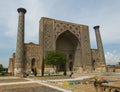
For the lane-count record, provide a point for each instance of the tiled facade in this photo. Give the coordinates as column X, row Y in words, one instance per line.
column 70, row 38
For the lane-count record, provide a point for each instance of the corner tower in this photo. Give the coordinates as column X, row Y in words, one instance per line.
column 99, row 45
column 20, row 43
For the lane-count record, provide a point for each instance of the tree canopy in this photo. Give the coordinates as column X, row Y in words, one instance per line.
column 55, row 58
column 1, row 68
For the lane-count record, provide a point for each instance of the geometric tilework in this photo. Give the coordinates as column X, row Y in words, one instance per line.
column 99, row 45
column 20, row 42
column 51, row 32
column 48, row 35
column 60, row 27
column 52, row 29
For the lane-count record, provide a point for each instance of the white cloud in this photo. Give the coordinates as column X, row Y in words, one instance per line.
column 108, row 21
column 112, row 57
column 35, row 10
column 103, row 13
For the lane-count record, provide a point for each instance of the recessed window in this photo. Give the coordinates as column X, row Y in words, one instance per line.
column 70, row 56
column 33, row 62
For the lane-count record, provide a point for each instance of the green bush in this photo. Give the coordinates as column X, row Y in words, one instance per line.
column 3, row 73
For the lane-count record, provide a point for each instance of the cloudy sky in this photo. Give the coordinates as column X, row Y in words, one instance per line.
column 105, row 13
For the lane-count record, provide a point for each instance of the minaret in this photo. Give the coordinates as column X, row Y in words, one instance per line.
column 99, row 45
column 20, row 43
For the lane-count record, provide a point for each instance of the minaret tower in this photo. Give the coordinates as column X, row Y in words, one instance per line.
column 99, row 45
column 20, row 43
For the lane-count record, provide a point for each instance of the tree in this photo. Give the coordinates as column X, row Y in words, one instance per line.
column 55, row 58
column 1, row 68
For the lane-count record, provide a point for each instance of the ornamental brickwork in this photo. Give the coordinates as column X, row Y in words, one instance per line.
column 32, row 57
column 60, row 35
column 70, row 38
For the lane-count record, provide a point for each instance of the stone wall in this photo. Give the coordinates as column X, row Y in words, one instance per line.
column 98, row 66
column 11, row 65
column 32, row 54
column 51, row 30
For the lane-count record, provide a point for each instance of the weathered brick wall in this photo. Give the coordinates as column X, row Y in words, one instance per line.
column 51, row 30
column 32, row 51
column 11, row 65
column 96, row 63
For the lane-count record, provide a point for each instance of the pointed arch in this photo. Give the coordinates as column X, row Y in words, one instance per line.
column 68, row 43
column 67, row 31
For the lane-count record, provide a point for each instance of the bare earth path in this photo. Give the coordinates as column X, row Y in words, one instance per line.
column 26, row 85
column 33, row 85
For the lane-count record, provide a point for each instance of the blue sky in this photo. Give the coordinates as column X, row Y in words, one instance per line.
column 89, row 12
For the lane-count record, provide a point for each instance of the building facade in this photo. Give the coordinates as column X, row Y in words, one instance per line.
column 71, row 39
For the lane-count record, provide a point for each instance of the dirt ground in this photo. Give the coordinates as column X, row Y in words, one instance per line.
column 30, row 87
column 86, row 85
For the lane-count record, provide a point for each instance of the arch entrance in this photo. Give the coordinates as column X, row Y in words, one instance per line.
column 33, row 68
column 67, row 43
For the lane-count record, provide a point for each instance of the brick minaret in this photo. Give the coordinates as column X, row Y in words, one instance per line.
column 99, row 45
column 20, row 43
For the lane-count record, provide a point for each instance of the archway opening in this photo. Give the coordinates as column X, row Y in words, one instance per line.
column 93, row 65
column 33, row 68
column 67, row 43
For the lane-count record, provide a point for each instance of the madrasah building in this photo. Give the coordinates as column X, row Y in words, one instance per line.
column 69, row 38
